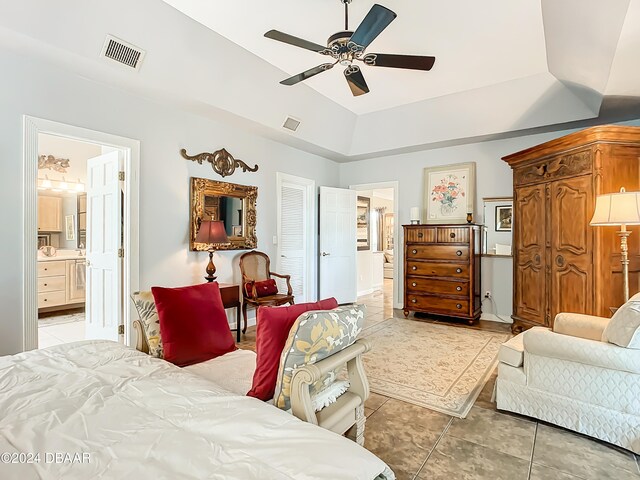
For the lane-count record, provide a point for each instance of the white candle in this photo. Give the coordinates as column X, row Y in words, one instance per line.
column 415, row 213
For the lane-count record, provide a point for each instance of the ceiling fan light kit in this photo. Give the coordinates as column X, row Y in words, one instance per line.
column 348, row 46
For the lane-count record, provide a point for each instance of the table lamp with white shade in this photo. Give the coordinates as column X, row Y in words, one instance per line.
column 619, row 209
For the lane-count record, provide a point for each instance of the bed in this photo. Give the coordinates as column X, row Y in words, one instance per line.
column 100, row 409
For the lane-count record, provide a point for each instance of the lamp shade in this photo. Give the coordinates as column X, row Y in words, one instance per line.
column 621, row 208
column 212, row 231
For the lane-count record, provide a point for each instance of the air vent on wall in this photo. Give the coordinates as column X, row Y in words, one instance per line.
column 291, row 124
column 122, row 52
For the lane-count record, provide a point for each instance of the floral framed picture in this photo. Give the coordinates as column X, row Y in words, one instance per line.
column 449, row 193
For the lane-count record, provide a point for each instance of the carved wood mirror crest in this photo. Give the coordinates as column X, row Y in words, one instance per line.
column 234, row 204
column 221, row 161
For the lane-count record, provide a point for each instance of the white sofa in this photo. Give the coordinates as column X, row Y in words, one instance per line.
column 573, row 378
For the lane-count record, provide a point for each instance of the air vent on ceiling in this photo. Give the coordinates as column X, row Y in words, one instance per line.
column 122, row 52
column 291, row 124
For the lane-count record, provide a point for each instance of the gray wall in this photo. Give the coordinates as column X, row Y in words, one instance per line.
column 493, row 179
column 42, row 90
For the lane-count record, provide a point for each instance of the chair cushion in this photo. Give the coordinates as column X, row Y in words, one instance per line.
column 272, row 329
column 193, row 323
column 512, row 351
column 624, row 327
column 146, row 307
column 313, row 337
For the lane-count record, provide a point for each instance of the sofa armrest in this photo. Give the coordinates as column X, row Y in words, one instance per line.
column 303, row 377
column 578, row 325
column 545, row 343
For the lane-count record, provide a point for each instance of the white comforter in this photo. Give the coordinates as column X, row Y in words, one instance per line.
column 127, row 415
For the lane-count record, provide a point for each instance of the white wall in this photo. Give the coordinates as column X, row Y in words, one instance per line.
column 38, row 89
column 493, row 179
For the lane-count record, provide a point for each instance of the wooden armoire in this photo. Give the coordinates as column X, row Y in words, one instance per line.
column 561, row 263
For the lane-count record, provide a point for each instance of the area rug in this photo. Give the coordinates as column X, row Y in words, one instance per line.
column 439, row 367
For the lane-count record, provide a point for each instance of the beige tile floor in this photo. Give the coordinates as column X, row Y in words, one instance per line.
column 421, row 444
column 59, row 329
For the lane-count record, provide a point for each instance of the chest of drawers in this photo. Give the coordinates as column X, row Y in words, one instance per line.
column 442, row 270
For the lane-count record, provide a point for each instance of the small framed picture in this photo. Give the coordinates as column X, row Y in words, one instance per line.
column 504, row 216
column 44, row 239
column 362, row 226
column 70, row 227
column 237, row 230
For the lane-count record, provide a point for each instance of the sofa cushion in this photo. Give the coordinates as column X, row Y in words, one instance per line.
column 624, row 327
column 272, row 329
column 146, row 307
column 512, row 351
column 193, row 323
column 314, row 336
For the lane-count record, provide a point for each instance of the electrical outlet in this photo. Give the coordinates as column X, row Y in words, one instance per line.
column 487, row 294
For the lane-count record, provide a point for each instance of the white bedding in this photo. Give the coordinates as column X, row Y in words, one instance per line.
column 140, row 417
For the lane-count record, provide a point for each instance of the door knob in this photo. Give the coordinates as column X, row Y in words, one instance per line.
column 324, row 254
column 560, row 260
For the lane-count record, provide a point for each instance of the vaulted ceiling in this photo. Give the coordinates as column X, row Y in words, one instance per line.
column 502, row 66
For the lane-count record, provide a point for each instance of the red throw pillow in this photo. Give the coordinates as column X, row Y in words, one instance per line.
column 193, row 323
column 266, row 288
column 248, row 289
column 272, row 329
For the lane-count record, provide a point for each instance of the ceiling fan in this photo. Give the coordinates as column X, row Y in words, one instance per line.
column 349, row 46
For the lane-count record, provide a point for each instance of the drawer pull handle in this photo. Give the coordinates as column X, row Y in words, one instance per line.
column 420, row 235
column 458, row 270
column 46, row 269
column 414, row 284
column 458, row 306
column 414, row 251
column 413, row 300
column 459, row 288
column 46, row 285
column 452, row 235
column 45, row 299
column 459, row 253
column 414, row 268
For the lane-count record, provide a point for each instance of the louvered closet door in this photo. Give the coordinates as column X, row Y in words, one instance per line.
column 293, row 238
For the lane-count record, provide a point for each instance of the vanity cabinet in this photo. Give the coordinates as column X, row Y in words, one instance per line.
column 49, row 213
column 60, row 284
column 442, row 270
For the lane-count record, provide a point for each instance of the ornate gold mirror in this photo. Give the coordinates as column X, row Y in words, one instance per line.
column 234, row 204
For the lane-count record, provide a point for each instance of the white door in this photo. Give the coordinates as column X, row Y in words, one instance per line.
column 338, row 276
column 295, row 226
column 104, row 230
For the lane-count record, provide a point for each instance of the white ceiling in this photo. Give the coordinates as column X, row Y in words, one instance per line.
column 507, row 44
column 503, row 66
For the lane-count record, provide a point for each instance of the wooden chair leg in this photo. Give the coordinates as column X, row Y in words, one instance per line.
column 244, row 314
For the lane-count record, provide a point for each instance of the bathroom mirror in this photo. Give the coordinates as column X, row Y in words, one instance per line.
column 233, row 204
column 498, row 226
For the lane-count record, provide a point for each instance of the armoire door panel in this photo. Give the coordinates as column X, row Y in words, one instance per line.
column 529, row 222
column 571, row 245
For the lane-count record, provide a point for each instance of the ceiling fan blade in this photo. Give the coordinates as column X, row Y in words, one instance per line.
column 374, row 23
column 307, row 74
column 295, row 41
column 413, row 62
column 356, row 81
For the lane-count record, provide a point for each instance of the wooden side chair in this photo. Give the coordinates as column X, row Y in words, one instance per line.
column 255, row 267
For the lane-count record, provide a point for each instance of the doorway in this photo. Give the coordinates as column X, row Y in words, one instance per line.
column 81, row 237
column 377, row 245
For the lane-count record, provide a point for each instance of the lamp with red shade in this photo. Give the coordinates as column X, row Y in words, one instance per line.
column 212, row 233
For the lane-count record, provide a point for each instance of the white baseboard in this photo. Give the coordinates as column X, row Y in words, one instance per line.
column 366, row 292
column 490, row 317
